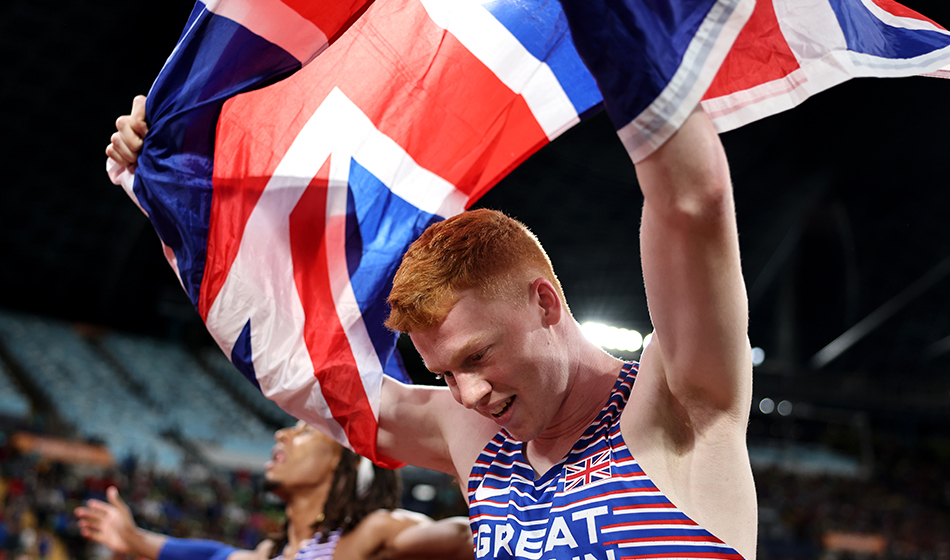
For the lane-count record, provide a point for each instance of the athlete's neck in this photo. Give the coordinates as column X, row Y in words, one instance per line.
column 304, row 509
column 592, row 378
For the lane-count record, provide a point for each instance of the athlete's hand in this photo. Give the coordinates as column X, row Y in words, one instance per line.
column 110, row 524
column 126, row 142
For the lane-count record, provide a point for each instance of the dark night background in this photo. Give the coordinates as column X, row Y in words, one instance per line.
column 842, row 206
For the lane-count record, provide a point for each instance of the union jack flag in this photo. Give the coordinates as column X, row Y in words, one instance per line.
column 821, row 46
column 284, row 210
column 595, row 467
column 742, row 59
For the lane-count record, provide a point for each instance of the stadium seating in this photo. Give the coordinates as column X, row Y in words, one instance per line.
column 130, row 392
column 228, row 375
column 12, row 401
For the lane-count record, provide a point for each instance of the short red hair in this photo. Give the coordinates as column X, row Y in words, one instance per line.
column 482, row 249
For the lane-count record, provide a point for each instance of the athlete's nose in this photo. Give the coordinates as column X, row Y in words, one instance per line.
column 287, row 432
column 473, row 389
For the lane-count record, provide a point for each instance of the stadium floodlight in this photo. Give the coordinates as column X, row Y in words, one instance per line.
column 613, row 338
column 424, row 492
column 784, row 408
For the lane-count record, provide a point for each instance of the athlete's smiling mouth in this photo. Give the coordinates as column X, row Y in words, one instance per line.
column 502, row 408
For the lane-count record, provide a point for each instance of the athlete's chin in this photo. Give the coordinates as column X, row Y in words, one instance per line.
column 522, row 432
column 271, row 479
column 273, row 486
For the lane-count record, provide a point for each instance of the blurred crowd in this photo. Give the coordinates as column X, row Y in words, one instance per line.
column 900, row 512
column 38, row 498
column 903, row 507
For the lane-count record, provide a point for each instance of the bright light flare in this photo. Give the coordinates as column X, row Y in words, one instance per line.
column 613, row 338
column 784, row 408
column 423, row 492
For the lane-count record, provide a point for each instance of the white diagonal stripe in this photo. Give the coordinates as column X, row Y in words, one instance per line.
column 260, row 285
column 503, row 54
column 276, row 22
column 901, row 21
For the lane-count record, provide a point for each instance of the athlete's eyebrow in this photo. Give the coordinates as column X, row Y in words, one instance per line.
column 461, row 354
column 466, row 351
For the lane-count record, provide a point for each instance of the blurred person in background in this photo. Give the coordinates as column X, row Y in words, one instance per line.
column 338, row 505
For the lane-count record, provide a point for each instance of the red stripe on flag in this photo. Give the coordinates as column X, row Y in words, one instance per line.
column 899, row 10
column 326, row 341
column 248, row 148
column 453, row 96
column 416, row 83
column 759, row 55
column 232, row 202
column 333, row 18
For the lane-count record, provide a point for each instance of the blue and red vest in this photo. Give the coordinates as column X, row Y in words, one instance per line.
column 313, row 549
column 597, row 504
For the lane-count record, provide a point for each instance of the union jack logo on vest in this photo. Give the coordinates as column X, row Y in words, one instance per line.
column 595, row 467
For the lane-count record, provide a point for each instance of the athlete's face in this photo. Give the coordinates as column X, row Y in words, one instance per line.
column 301, row 457
column 500, row 360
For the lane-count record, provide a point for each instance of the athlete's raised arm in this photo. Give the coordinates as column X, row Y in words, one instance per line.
column 688, row 413
column 690, row 251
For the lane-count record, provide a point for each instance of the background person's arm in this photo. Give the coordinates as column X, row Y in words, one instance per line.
column 111, row 524
column 448, row 539
column 407, row 535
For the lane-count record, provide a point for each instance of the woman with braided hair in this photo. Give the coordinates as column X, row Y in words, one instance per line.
column 338, row 506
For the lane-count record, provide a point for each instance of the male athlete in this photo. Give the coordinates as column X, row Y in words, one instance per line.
column 565, row 456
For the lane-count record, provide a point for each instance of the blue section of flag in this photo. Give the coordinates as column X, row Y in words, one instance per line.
column 396, row 368
column 241, row 355
column 633, row 48
column 542, row 29
column 215, row 59
column 385, row 226
column 866, row 34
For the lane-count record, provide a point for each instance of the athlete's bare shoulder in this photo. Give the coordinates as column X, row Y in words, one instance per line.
column 424, row 426
column 698, row 460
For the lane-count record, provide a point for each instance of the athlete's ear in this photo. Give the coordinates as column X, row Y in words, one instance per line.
column 548, row 301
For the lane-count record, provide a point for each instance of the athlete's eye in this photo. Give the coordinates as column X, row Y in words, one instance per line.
column 443, row 375
column 477, row 356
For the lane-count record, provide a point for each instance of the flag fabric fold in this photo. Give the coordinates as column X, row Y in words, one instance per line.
column 297, row 147
column 285, row 210
column 791, row 50
column 654, row 61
